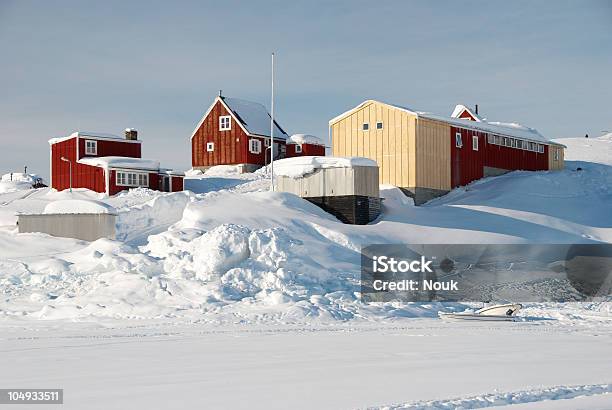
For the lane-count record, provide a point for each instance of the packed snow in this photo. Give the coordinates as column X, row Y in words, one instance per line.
column 297, row 167
column 96, row 135
column 78, row 206
column 121, row 162
column 304, row 139
column 17, row 181
column 229, row 292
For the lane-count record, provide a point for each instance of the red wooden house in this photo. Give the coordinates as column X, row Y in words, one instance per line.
column 305, row 145
column 235, row 132
column 465, row 113
column 106, row 163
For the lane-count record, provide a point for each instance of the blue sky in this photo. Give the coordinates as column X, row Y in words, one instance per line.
column 156, row 66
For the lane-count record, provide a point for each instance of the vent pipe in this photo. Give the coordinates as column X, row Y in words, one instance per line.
column 476, row 109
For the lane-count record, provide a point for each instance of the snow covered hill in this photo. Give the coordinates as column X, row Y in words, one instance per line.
column 233, row 296
column 239, row 252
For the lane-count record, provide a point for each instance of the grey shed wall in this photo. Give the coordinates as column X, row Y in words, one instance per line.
column 350, row 194
column 87, row 227
column 361, row 181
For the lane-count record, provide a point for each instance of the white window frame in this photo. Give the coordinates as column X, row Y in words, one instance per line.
column 555, row 154
column 498, row 140
column 540, row 148
column 491, row 139
column 377, row 125
column 474, row 143
column 365, row 126
column 143, row 180
column 254, row 146
column 458, row 140
column 298, row 148
column 225, row 122
column 88, row 147
column 210, row 146
column 267, row 142
column 131, row 179
column 519, row 144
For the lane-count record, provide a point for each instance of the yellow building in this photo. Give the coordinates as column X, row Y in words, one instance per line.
column 426, row 155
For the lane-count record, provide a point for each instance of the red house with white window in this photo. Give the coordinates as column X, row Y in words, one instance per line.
column 237, row 132
column 107, row 163
column 305, row 145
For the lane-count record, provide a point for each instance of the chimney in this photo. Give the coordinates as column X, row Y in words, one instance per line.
column 476, row 109
column 131, row 134
column 220, row 93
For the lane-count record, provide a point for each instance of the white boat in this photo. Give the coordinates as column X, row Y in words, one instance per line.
column 504, row 313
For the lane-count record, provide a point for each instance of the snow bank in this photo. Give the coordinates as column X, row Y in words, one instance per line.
column 299, row 166
column 221, row 170
column 304, row 139
column 17, row 181
column 78, row 206
column 121, row 162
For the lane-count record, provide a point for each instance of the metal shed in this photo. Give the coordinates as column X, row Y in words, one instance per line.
column 345, row 187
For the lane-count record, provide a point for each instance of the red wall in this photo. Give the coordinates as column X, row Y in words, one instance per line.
column 467, row 164
column 114, row 188
column 230, row 146
column 307, row 150
column 177, row 183
column 83, row 176
column 111, row 148
column 466, row 116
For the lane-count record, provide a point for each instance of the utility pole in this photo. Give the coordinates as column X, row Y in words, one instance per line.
column 272, row 131
column 70, row 164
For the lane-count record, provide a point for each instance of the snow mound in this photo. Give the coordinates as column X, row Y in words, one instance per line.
column 304, row 139
column 78, row 206
column 299, row 166
column 17, row 181
column 221, row 170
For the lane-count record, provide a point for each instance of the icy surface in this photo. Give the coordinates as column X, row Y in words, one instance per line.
column 299, row 166
column 78, row 206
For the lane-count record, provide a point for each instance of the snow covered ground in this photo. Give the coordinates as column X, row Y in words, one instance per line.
column 233, row 296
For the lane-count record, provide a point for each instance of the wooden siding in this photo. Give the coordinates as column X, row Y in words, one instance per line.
column 111, row 148
column 307, row 150
column 432, row 153
column 176, row 183
column 83, row 176
column 230, row 146
column 560, row 163
column 392, row 147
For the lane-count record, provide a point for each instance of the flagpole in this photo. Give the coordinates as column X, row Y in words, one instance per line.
column 272, row 131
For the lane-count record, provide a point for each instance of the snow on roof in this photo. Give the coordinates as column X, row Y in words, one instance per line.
column 121, row 162
column 78, row 206
column 304, row 139
column 459, row 108
column 254, row 117
column 93, row 135
column 506, row 129
column 297, row 167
